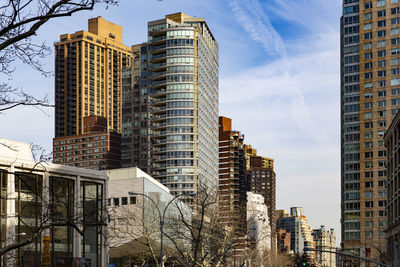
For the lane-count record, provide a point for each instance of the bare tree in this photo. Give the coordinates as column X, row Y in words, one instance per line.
column 33, row 207
column 191, row 237
column 19, row 22
column 135, row 230
column 201, row 240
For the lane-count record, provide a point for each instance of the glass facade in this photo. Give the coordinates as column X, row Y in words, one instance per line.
column 350, row 120
column 28, row 211
column 183, row 60
column 34, row 209
column 175, row 104
column 61, row 192
column 92, row 202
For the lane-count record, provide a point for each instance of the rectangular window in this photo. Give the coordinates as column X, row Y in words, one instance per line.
column 382, row 103
column 368, row 194
column 380, row 3
column 369, row 234
column 381, row 53
column 381, row 23
column 381, row 33
column 368, row 55
column 381, row 43
column 381, row 13
column 124, row 201
column 368, row 16
column 369, row 204
column 367, row 35
column 367, row 46
column 368, row 144
column 395, row 81
column 368, row 105
column 132, row 200
column 369, row 224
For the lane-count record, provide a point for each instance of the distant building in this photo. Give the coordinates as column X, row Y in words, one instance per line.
column 300, row 232
column 35, row 194
column 325, row 240
column 232, row 181
column 261, row 180
column 259, row 229
column 283, row 241
column 392, row 140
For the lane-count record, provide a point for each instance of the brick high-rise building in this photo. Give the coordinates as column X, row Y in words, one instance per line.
column 261, row 180
column 88, row 66
column 370, row 68
column 232, row 180
column 88, row 82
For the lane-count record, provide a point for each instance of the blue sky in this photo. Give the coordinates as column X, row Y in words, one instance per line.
column 279, row 82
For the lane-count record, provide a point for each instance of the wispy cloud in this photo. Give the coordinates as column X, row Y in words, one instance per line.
column 252, row 18
column 289, row 110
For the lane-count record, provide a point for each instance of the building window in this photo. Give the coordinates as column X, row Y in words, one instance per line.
column 124, row 201
column 369, row 204
column 368, row 194
column 368, row 234
column 132, row 200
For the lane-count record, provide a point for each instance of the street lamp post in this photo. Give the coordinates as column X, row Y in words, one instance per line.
column 162, row 218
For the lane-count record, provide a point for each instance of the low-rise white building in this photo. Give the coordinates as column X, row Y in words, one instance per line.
column 58, row 211
column 134, row 227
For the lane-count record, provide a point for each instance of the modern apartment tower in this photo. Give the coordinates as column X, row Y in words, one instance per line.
column 88, row 82
column 177, row 88
column 370, row 89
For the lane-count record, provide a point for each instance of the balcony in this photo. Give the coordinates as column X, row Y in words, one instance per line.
column 158, row 126
column 158, row 84
column 159, row 118
column 157, row 110
column 159, row 66
column 158, row 40
column 157, row 102
column 159, row 49
column 159, row 75
column 160, row 93
column 159, row 58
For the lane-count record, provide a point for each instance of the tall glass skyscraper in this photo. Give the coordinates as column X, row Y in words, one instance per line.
column 370, row 97
column 175, row 107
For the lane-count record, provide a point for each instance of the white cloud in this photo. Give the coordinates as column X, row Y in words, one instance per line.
column 289, row 110
column 252, row 18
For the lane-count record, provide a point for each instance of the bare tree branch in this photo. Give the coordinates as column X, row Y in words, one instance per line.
column 19, row 22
